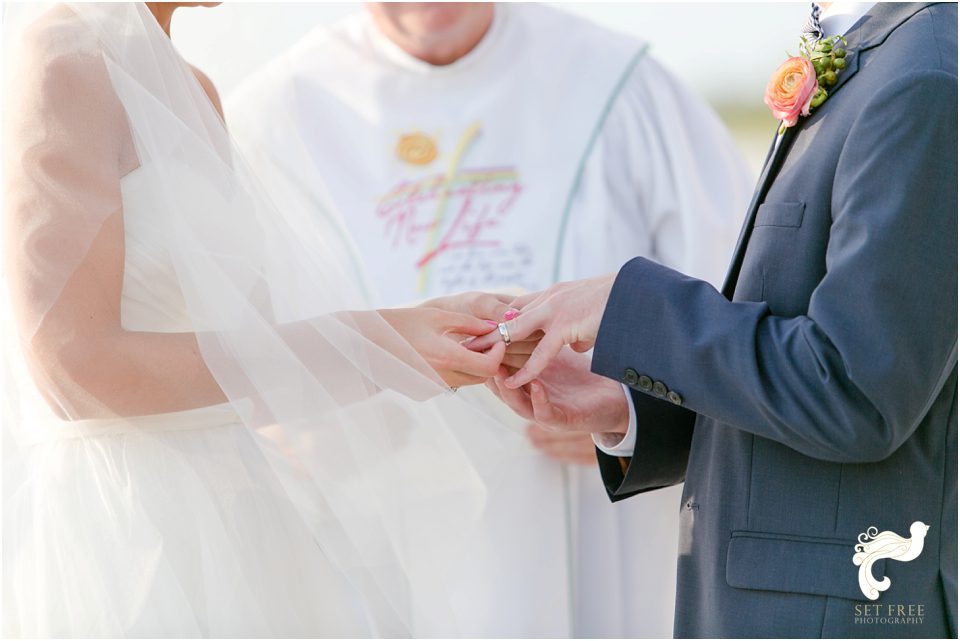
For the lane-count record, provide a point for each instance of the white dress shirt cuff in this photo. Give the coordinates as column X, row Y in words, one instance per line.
column 611, row 443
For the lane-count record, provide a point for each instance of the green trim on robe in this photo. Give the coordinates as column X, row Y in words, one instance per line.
column 594, row 135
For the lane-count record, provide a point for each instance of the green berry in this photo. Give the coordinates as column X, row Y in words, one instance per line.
column 830, row 78
column 840, row 52
column 818, row 67
column 839, row 64
column 818, row 98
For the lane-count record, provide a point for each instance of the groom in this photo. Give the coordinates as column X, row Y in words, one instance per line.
column 811, row 406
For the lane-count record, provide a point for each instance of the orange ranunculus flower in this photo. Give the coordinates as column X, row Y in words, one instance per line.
column 790, row 90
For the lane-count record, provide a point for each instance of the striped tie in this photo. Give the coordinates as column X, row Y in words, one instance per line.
column 811, row 31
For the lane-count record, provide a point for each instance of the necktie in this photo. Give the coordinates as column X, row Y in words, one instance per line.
column 811, row 31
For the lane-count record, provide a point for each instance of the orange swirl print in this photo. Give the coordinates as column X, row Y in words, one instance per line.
column 416, row 148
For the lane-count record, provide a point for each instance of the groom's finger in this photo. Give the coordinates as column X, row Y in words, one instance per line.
column 550, row 345
column 515, row 399
column 519, row 329
column 526, row 346
column 545, row 412
column 516, row 361
column 522, row 301
column 527, row 324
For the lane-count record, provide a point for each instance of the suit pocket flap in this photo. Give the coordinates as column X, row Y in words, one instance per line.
column 780, row 215
column 786, row 563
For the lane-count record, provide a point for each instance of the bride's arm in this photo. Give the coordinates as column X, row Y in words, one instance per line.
column 89, row 366
column 94, row 367
column 65, row 258
column 67, row 146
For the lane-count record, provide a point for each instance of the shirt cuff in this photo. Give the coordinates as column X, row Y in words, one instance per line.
column 609, row 444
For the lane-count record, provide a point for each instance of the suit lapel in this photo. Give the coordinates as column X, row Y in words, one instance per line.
column 774, row 160
column 868, row 32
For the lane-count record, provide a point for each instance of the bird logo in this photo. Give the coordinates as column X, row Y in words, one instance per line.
column 874, row 546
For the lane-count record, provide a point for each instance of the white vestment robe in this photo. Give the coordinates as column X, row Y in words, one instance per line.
column 554, row 150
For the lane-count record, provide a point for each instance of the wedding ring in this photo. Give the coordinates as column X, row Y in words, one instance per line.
column 504, row 332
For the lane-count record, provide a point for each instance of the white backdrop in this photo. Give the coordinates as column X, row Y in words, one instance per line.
column 725, row 51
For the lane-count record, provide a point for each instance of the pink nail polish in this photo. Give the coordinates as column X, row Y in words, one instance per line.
column 510, row 314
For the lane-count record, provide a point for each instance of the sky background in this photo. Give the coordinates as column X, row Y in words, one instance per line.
column 724, row 51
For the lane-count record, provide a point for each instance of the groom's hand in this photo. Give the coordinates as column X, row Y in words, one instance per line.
column 566, row 314
column 567, row 396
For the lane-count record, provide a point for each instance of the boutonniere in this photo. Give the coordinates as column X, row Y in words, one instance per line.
column 802, row 83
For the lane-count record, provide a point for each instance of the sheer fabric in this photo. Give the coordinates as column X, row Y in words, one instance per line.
column 198, row 439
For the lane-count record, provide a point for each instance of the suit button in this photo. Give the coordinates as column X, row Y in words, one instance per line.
column 659, row 389
column 630, row 376
column 674, row 398
column 645, row 383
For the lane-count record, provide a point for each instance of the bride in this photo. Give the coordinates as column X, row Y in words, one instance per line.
column 198, row 439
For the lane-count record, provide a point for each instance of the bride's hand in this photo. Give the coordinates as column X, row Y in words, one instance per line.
column 477, row 304
column 436, row 334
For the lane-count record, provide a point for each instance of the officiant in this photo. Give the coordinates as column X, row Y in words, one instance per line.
column 471, row 146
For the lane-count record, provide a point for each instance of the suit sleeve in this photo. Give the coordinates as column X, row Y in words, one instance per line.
column 671, row 184
column 660, row 455
column 850, row 380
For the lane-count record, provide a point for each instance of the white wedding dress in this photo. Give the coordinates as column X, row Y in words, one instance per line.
column 334, row 494
column 171, row 524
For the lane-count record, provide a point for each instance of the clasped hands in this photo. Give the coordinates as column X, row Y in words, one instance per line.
column 543, row 374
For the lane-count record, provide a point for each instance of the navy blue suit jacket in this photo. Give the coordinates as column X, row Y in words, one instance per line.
column 816, row 395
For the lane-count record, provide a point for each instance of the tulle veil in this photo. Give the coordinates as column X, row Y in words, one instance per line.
column 387, row 467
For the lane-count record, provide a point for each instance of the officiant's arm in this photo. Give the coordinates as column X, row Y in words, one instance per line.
column 662, row 433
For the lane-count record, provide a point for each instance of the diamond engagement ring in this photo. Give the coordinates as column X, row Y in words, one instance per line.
column 504, row 332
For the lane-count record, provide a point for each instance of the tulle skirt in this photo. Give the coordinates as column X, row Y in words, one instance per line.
column 175, row 526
